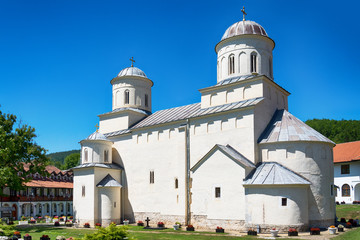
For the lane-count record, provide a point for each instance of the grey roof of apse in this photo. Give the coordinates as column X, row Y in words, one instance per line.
column 272, row 173
column 234, row 79
column 285, row 127
column 127, row 108
column 101, row 165
column 97, row 136
column 191, row 111
column 108, row 181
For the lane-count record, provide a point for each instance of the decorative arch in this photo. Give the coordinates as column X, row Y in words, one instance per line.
column 223, row 67
column 86, row 155
column 231, row 64
column 127, row 96
column 246, row 91
column 118, row 98
column 345, row 190
column 212, row 99
column 254, row 62
column 242, row 63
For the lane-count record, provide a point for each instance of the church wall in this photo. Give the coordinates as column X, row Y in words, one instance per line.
column 264, row 207
column 84, row 206
column 314, row 161
column 96, row 151
column 111, row 123
column 218, row 171
column 109, row 205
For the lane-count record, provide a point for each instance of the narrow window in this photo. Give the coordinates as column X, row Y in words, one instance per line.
column 86, row 155
column 253, row 63
column 345, row 190
column 127, row 97
column 345, row 169
column 146, row 100
column 270, row 68
column 283, row 201
column 151, row 177
column 231, row 64
column 217, row 192
column 176, row 183
column 83, row 191
column 106, row 158
column 114, row 204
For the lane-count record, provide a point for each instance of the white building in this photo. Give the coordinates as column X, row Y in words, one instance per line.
column 236, row 159
column 347, row 171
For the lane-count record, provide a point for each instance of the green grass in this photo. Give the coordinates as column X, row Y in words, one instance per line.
column 348, row 211
column 36, row 231
column 350, row 235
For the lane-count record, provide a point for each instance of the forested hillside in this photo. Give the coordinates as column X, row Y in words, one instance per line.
column 338, row 131
column 58, row 159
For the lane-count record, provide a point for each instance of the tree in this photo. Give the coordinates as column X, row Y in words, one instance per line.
column 19, row 153
column 71, row 161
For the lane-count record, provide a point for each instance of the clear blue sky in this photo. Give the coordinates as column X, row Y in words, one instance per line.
column 57, row 57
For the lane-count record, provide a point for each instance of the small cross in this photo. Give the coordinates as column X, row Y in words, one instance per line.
column 147, row 220
column 132, row 61
column 97, row 127
column 244, row 13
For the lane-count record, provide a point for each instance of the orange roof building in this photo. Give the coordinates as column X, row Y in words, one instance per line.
column 347, row 152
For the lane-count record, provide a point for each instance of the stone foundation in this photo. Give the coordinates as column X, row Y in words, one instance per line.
column 202, row 222
column 322, row 223
column 265, row 228
column 155, row 217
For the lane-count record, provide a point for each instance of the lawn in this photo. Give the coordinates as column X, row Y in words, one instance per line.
column 348, row 211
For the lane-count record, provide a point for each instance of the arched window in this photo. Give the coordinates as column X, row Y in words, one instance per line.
column 127, row 97
column 146, row 100
column 106, row 157
column 270, row 67
column 345, row 190
column 86, row 155
column 253, row 63
column 231, row 64
column 176, row 183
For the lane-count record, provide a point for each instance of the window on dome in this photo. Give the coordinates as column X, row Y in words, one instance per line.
column 86, row 155
column 253, row 63
column 345, row 190
column 270, row 67
column 106, row 157
column 231, row 64
column 127, row 97
column 146, row 100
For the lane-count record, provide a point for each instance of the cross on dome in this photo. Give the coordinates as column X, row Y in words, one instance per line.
column 132, row 61
column 244, row 13
column 97, row 127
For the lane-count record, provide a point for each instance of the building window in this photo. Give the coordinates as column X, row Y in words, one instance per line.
column 345, row 190
column 345, row 169
column 86, row 155
column 114, row 204
column 253, row 63
column 106, row 157
column 146, row 100
column 231, row 64
column 217, row 192
column 283, row 201
column 270, row 68
column 176, row 183
column 151, row 177
column 83, row 191
column 127, row 97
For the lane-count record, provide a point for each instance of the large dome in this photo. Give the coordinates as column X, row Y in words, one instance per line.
column 243, row 28
column 131, row 71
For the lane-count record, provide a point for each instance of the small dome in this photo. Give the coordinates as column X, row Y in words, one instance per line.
column 97, row 136
column 243, row 28
column 131, row 71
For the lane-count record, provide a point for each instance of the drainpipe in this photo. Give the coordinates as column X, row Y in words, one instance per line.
column 187, row 173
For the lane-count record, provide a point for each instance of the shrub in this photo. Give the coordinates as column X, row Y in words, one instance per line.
column 112, row 232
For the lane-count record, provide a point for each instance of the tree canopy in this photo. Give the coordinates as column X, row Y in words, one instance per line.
column 72, row 161
column 20, row 155
column 338, row 131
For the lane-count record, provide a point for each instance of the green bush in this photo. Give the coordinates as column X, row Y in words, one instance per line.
column 112, row 232
column 6, row 230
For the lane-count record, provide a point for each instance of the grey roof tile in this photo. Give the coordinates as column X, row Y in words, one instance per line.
column 273, row 173
column 108, row 181
column 285, row 127
column 101, row 165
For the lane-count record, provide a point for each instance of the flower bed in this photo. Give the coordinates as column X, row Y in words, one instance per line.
column 219, row 230
column 140, row 223
column 314, row 231
column 292, row 232
column 251, row 232
column 160, row 224
column 87, row 225
column 190, row 228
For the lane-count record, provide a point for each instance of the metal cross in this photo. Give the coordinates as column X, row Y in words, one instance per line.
column 97, row 127
column 147, row 220
column 132, row 61
column 244, row 13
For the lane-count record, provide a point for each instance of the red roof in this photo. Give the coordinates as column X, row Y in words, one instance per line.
column 48, row 184
column 347, row 152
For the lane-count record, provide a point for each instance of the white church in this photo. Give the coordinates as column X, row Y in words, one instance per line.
column 236, row 159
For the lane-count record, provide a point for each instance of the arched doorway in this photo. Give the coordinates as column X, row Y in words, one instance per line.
column 14, row 212
column 357, row 192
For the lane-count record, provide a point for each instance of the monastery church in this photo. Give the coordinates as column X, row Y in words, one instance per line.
column 236, row 159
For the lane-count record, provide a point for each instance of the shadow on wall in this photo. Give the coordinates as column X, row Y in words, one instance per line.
column 127, row 211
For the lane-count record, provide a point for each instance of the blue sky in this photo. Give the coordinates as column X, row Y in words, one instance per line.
column 57, row 57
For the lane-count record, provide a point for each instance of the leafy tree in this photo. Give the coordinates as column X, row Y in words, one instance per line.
column 17, row 150
column 72, row 161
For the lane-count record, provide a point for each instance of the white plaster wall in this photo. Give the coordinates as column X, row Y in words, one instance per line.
column 263, row 205
column 352, row 179
column 218, row 171
column 314, row 161
column 109, row 205
column 242, row 47
column 119, row 121
column 96, row 151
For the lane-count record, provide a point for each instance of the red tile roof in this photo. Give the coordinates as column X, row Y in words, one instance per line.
column 49, row 184
column 346, row 152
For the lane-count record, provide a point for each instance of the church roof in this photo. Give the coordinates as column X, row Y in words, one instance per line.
column 100, row 165
column 273, row 173
column 127, row 109
column 244, row 28
column 97, row 136
column 131, row 71
column 284, row 127
column 347, row 152
column 108, row 181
